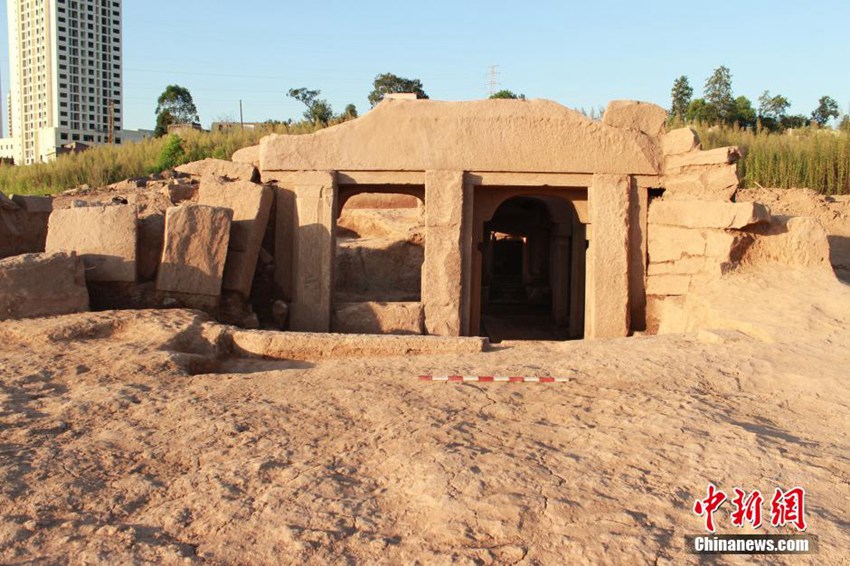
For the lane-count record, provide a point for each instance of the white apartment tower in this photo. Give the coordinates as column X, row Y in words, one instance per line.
column 65, row 75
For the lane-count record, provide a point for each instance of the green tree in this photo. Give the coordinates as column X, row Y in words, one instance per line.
column 827, row 108
column 700, row 111
column 773, row 106
column 772, row 110
column 844, row 124
column 388, row 83
column 350, row 113
column 718, row 93
column 745, row 114
column 681, row 97
column 174, row 106
column 794, row 121
column 507, row 94
column 319, row 111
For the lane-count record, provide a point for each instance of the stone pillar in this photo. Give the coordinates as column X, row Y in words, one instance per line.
column 447, row 208
column 607, row 302
column 312, row 204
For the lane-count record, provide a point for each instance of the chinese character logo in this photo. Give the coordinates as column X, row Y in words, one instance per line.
column 789, row 507
column 706, row 507
column 786, row 508
column 747, row 508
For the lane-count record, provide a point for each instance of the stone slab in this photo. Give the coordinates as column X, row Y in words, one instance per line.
column 716, row 182
column 195, row 250
column 484, row 135
column 249, row 155
column 315, row 346
column 34, row 204
column 720, row 244
column 378, row 318
column 683, row 266
column 34, row 285
column 707, row 214
column 682, row 140
column 641, row 116
column 251, row 205
column 719, row 156
column 103, row 236
column 221, row 168
column 22, row 232
column 178, row 192
column 668, row 284
column 670, row 243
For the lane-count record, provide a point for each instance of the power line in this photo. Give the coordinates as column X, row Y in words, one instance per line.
column 493, row 79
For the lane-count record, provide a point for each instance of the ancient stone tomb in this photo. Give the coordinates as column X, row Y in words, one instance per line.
column 536, row 221
column 510, row 219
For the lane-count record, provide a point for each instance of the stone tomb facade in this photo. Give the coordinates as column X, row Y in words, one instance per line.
column 536, row 217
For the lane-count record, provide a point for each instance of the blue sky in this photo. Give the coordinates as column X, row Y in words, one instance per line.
column 581, row 54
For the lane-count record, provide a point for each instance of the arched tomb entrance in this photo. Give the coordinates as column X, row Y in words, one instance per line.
column 528, row 272
column 531, row 267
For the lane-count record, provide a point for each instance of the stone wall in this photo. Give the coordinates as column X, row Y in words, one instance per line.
column 695, row 232
column 693, row 242
column 23, row 224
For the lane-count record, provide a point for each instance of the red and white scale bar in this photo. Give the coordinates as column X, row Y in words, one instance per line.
column 493, row 379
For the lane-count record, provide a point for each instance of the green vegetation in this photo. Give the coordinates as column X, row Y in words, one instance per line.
column 174, row 106
column 171, row 154
column 319, row 111
column 827, row 108
column 681, row 97
column 388, row 83
column 809, row 157
column 507, row 94
column 104, row 165
column 779, row 150
column 720, row 106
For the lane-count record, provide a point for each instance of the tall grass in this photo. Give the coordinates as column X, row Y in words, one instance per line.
column 813, row 158
column 104, row 165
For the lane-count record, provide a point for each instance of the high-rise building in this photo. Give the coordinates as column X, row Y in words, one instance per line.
column 65, row 65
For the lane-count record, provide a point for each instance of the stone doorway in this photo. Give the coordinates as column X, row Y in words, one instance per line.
column 532, row 271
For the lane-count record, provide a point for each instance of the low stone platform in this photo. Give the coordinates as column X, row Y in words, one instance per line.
column 314, row 345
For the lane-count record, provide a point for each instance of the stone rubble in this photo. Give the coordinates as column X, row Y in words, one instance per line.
column 194, row 250
column 103, row 236
column 42, row 284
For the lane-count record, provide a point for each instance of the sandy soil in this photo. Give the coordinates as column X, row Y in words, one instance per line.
column 111, row 452
column 832, row 211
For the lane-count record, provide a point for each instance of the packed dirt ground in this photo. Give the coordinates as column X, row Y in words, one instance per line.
column 130, row 437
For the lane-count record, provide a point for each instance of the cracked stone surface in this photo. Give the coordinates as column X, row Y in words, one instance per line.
column 126, row 437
